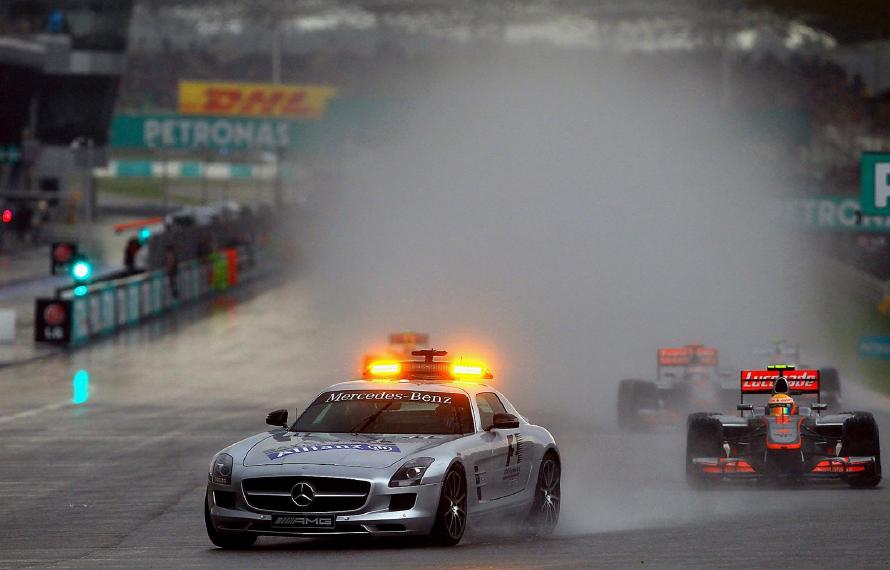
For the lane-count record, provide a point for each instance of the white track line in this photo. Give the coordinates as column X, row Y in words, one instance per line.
column 34, row 412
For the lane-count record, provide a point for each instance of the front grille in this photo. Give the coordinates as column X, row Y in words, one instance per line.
column 332, row 495
column 266, row 527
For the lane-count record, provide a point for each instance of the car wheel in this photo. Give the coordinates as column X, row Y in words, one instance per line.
column 861, row 439
column 229, row 540
column 544, row 515
column 451, row 516
column 633, row 396
column 704, row 436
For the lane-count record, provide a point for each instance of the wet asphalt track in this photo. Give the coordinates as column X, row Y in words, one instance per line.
column 119, row 480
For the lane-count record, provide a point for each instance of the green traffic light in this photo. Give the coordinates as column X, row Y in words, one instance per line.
column 81, row 270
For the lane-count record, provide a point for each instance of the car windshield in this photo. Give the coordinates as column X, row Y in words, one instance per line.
column 387, row 412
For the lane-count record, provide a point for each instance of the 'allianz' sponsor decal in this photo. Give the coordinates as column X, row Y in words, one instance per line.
column 296, row 449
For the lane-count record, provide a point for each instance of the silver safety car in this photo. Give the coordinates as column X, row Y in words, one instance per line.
column 417, row 447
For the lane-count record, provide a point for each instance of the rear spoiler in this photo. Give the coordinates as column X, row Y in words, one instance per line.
column 780, row 353
column 410, row 338
column 764, row 381
column 688, row 355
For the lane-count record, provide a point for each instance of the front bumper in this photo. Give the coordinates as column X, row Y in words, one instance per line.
column 380, row 515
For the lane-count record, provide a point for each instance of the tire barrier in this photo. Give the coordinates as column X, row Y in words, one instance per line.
column 75, row 316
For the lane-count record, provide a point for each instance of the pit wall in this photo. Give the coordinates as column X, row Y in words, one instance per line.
column 74, row 317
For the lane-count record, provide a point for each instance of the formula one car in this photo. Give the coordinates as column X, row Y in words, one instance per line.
column 418, row 447
column 686, row 378
column 783, row 352
column 782, row 440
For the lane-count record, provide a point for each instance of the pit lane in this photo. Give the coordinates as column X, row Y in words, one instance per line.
column 119, row 480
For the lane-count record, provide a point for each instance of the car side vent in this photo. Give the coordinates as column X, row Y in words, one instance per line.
column 402, row 501
column 224, row 499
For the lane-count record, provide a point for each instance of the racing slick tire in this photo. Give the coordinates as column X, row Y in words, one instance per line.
column 227, row 540
column 830, row 384
column 704, row 438
column 544, row 514
column 451, row 516
column 861, row 439
column 633, row 396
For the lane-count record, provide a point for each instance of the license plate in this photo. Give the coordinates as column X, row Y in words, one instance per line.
column 305, row 521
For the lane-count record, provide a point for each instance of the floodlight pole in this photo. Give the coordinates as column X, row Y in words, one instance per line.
column 279, row 182
column 88, row 192
column 277, row 37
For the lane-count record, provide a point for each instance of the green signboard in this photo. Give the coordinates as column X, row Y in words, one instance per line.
column 192, row 132
column 874, row 346
column 835, row 213
column 185, row 132
column 874, row 183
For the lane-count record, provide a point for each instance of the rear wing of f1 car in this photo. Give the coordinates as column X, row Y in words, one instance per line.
column 780, row 353
column 693, row 354
column 409, row 338
column 780, row 378
column 673, row 361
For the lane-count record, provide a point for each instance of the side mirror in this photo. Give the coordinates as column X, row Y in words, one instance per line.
column 745, row 407
column 819, row 406
column 504, row 421
column 277, row 418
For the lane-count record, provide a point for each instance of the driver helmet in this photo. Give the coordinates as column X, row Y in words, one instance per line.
column 781, row 405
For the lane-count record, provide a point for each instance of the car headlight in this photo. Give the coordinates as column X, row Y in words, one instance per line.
column 411, row 472
column 221, row 469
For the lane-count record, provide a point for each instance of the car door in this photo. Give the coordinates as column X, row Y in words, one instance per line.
column 503, row 467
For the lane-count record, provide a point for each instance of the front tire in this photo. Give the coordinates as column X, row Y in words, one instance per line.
column 704, row 438
column 633, row 396
column 861, row 439
column 451, row 516
column 227, row 540
column 544, row 515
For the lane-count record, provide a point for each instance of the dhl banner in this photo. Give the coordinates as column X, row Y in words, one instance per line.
column 254, row 99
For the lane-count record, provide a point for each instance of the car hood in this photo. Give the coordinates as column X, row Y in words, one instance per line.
column 348, row 450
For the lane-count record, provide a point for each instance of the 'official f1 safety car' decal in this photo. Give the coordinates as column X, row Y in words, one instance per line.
column 294, row 449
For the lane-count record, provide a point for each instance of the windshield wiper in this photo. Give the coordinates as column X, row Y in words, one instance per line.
column 365, row 423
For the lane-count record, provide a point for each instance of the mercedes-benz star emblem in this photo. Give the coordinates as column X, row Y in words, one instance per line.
column 302, row 494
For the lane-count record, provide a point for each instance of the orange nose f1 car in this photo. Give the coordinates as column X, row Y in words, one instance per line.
column 782, row 440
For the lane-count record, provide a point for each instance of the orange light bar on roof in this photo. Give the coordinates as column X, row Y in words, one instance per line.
column 461, row 370
column 466, row 370
column 384, row 369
